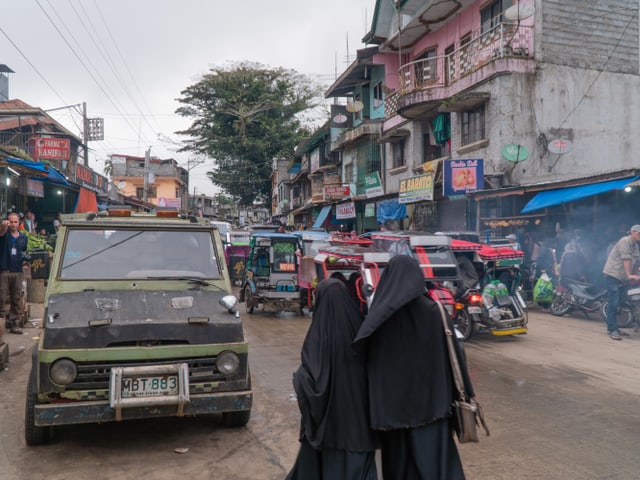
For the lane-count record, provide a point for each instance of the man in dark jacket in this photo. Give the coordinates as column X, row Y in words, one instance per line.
column 13, row 245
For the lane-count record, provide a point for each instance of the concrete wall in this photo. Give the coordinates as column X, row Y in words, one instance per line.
column 589, row 34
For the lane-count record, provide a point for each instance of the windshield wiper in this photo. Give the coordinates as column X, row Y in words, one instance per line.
column 196, row 280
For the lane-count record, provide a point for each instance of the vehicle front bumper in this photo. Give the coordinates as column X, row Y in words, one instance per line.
column 69, row 413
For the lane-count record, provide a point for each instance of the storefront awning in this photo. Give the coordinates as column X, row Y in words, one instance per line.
column 42, row 169
column 322, row 216
column 550, row 198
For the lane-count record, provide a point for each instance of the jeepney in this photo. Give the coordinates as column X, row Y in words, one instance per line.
column 139, row 322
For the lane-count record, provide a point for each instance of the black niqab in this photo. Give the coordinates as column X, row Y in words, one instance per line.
column 409, row 374
column 331, row 381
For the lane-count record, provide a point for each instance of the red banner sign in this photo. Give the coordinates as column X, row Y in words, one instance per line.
column 336, row 192
column 50, row 148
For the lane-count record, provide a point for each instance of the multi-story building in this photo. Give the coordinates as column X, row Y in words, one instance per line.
column 522, row 114
column 167, row 183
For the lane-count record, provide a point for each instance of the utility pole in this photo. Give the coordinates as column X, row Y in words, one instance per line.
column 147, row 159
column 85, row 133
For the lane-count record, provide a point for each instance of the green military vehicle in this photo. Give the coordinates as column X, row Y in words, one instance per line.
column 139, row 322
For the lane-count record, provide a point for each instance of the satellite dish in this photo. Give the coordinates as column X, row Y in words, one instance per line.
column 560, row 146
column 121, row 185
column 355, row 107
column 519, row 11
column 515, row 153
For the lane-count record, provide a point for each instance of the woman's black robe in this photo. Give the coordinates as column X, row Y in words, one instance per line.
column 410, row 382
column 330, row 384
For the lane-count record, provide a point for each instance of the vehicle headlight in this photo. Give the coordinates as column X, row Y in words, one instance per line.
column 228, row 363
column 63, row 371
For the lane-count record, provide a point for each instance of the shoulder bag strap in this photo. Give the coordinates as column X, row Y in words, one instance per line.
column 453, row 358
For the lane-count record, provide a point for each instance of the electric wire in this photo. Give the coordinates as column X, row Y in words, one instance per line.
column 100, row 86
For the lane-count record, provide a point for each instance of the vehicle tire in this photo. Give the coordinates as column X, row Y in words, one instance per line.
column 464, row 323
column 560, row 306
column 248, row 299
column 236, row 419
column 33, row 435
column 624, row 318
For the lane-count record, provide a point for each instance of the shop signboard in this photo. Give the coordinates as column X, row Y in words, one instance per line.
column 463, row 176
column 373, row 185
column 416, row 189
column 90, row 179
column 337, row 192
column 345, row 210
column 522, row 221
column 49, row 148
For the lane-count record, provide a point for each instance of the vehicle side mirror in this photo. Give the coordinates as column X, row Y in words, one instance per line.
column 229, row 302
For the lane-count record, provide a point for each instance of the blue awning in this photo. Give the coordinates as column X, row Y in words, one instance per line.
column 52, row 175
column 549, row 198
column 322, row 216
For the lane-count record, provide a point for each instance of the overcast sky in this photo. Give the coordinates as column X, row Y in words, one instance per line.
column 130, row 59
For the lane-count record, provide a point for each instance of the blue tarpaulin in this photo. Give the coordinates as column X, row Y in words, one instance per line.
column 390, row 210
column 549, row 198
column 322, row 216
column 53, row 175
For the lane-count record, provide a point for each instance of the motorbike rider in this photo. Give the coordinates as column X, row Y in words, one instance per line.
column 468, row 273
column 573, row 264
column 621, row 266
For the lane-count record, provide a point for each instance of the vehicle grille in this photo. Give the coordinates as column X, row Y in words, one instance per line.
column 96, row 375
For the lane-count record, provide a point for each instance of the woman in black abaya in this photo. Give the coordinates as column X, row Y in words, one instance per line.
column 336, row 442
column 410, row 382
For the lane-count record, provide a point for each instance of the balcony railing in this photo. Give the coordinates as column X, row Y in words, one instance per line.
column 503, row 41
column 357, row 132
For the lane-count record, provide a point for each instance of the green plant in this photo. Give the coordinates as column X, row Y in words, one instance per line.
column 36, row 242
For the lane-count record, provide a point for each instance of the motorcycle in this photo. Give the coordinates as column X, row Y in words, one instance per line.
column 577, row 295
column 629, row 309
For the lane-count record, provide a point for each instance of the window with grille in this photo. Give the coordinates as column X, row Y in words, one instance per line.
column 151, row 192
column 378, row 95
column 472, row 125
column 397, row 152
column 492, row 15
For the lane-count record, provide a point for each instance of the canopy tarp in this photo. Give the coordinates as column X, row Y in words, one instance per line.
column 52, row 175
column 390, row 209
column 550, row 198
column 87, row 201
column 322, row 216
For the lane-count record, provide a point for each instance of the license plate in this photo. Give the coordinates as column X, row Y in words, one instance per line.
column 159, row 386
column 477, row 310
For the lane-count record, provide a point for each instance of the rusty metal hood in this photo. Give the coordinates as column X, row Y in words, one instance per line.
column 116, row 318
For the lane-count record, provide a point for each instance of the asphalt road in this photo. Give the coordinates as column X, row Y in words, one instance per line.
column 561, row 402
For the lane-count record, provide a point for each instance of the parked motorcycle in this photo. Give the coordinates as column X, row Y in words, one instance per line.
column 629, row 309
column 579, row 296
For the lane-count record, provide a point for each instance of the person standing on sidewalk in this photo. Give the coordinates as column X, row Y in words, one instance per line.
column 622, row 262
column 13, row 245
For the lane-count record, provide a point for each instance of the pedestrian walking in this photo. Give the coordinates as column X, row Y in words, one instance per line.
column 336, row 442
column 411, row 387
column 13, row 245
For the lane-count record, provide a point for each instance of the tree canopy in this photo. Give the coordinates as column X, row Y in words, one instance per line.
column 244, row 116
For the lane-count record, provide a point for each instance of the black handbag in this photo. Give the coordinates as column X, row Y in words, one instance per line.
column 467, row 413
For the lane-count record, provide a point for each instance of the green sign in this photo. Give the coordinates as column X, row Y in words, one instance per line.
column 373, row 185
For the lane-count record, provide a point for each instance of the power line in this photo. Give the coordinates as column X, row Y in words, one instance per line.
column 104, row 91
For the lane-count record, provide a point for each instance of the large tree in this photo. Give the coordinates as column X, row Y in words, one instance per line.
column 243, row 116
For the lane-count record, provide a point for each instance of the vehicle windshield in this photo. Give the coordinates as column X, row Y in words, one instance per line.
column 129, row 253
